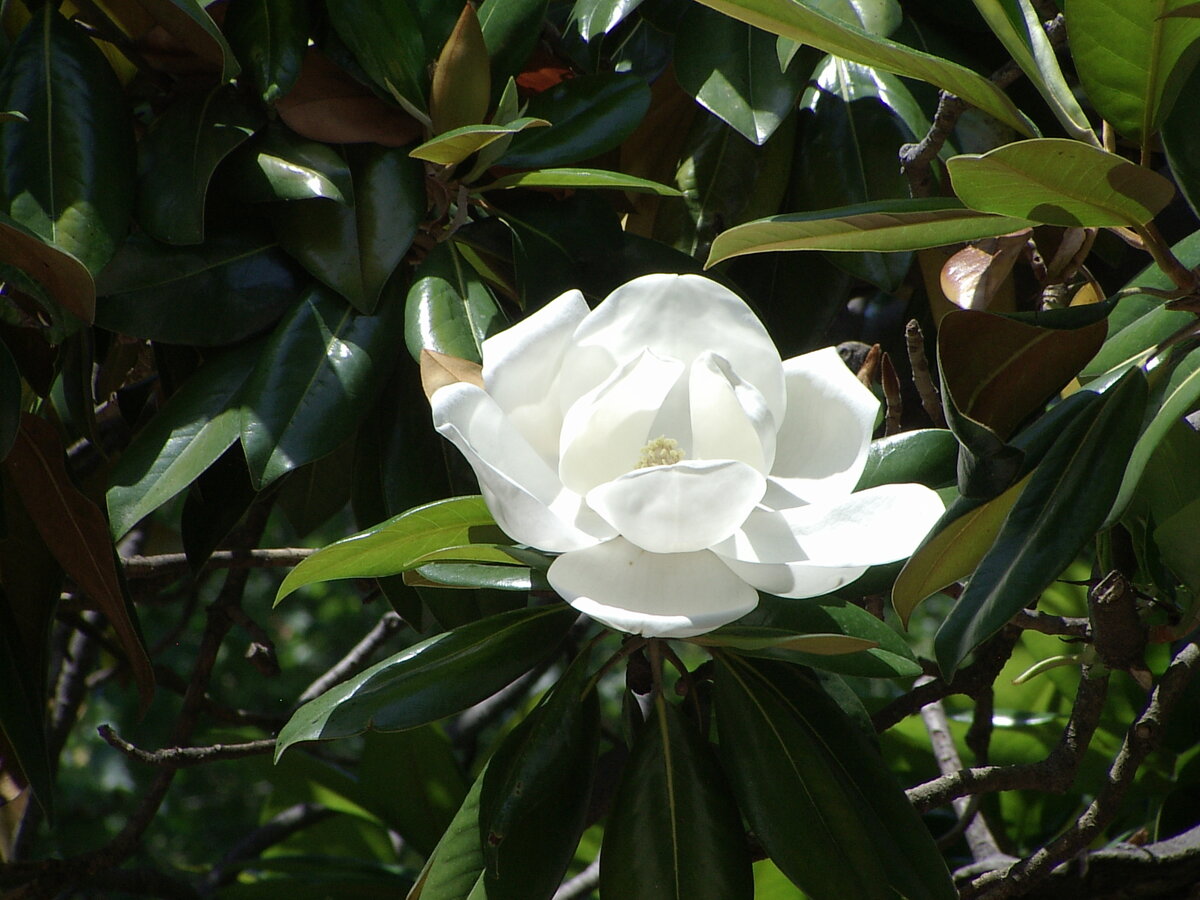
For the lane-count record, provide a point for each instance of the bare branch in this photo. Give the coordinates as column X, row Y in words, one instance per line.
column 1064, row 626
column 279, row 828
column 176, row 564
column 182, row 757
column 357, row 658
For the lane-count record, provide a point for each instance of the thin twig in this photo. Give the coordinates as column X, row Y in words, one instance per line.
column 931, row 401
column 389, row 623
column 1142, row 737
column 1063, row 626
column 176, row 564
column 183, row 757
column 892, row 423
column 277, row 829
column 582, row 884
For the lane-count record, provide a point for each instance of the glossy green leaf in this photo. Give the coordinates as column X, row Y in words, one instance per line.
column 67, row 174
column 177, row 158
column 926, row 456
column 449, row 309
column 1176, row 541
column 1060, row 182
column 953, row 550
column 816, row 28
column 63, row 277
column 890, row 658
column 385, row 37
column 733, row 71
column 674, row 829
column 400, row 543
column 453, row 147
column 754, row 637
column 436, row 678
column 1065, row 502
column 317, row 376
column 473, row 575
column 354, row 249
column 510, row 30
column 1132, row 57
column 1019, row 28
column 455, row 867
column 1139, row 323
column 588, row 115
column 847, row 156
column 280, row 165
column 883, row 225
column 314, row 493
column 597, row 17
column 998, row 371
column 580, row 178
column 811, row 784
column 217, row 293
column 1172, row 396
column 535, row 796
column 270, row 37
column 216, row 501
column 1183, row 151
column 184, row 438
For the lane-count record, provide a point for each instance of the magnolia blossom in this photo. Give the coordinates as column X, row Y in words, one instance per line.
column 660, row 445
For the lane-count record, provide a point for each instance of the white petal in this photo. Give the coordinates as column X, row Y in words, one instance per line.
column 684, row 507
column 604, row 432
column 522, row 492
column 679, row 317
column 822, row 444
column 521, row 364
column 800, row 579
column 729, row 416
column 652, row 594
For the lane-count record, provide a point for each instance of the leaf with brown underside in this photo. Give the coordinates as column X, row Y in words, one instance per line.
column 441, row 369
column 75, row 531
column 973, row 276
column 327, row 105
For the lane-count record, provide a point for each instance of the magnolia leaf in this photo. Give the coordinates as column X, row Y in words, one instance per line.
column 441, row 369
column 1057, row 181
column 461, row 86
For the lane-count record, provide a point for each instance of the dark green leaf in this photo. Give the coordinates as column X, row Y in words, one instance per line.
column 279, row 165
column 220, row 292
column 269, row 37
column 315, row 492
column 1183, row 152
column 674, row 829
column 178, row 155
column 597, row 17
column 588, row 115
column 455, row 867
column 733, row 70
column 183, row 439
column 510, row 30
column 926, row 456
column 472, row 575
column 215, row 503
column 10, row 400
column 449, row 309
column 68, row 173
column 1066, row 501
column 398, row 544
column 812, row 25
column 25, row 622
column 811, row 785
column 354, row 249
column 535, row 795
column 316, row 378
column 884, row 225
column 385, row 37
column 1060, row 182
column 433, row 679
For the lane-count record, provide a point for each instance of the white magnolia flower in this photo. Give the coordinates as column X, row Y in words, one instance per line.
column 677, row 464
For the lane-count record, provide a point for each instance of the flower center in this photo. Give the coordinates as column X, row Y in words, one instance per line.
column 662, row 451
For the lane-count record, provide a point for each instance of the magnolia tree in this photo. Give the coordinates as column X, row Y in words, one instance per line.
column 722, row 449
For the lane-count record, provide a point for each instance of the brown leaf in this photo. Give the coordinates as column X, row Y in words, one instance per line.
column 327, row 105
column 167, row 37
column 461, row 85
column 973, row 276
column 441, row 369
column 64, row 278
column 77, row 534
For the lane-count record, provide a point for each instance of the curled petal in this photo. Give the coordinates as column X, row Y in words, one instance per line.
column 677, row 317
column 604, row 431
column 652, row 594
column 522, row 492
column 529, row 354
column 679, row 508
column 879, row 525
column 823, row 441
column 729, row 417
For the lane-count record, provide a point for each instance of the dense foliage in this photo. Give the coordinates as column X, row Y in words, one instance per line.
column 228, row 235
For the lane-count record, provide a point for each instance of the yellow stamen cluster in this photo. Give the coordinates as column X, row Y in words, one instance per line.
column 662, row 451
